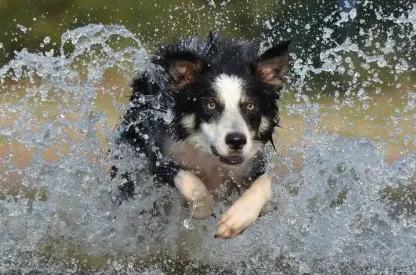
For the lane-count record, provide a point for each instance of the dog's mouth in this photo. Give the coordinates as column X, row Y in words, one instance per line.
column 232, row 159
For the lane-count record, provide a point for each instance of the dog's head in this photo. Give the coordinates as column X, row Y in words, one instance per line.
column 225, row 94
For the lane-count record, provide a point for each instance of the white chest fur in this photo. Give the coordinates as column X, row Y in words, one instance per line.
column 217, row 176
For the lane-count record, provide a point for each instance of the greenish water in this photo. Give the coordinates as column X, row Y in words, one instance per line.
column 344, row 170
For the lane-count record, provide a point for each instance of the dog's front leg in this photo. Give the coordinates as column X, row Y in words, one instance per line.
column 246, row 209
column 201, row 204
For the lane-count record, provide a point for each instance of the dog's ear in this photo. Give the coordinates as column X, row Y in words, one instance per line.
column 183, row 68
column 271, row 66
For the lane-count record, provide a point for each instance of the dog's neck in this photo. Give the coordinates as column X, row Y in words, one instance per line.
column 207, row 167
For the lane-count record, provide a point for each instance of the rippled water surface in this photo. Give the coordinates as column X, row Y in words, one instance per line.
column 344, row 181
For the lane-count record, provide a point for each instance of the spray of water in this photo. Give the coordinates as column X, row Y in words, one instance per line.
column 341, row 207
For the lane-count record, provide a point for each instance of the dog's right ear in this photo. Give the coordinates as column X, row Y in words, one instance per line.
column 183, row 68
column 272, row 64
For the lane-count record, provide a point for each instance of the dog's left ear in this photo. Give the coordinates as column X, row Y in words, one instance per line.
column 271, row 66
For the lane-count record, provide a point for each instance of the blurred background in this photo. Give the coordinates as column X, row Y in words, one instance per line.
column 345, row 151
column 26, row 24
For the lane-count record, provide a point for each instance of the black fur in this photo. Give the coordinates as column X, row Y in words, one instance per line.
column 169, row 87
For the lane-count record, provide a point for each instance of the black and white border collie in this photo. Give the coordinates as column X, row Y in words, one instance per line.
column 202, row 115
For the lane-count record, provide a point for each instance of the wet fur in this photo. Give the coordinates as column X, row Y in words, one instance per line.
column 168, row 121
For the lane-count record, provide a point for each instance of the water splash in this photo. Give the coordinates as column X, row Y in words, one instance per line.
column 341, row 206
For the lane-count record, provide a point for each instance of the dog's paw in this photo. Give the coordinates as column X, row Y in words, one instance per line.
column 237, row 218
column 246, row 209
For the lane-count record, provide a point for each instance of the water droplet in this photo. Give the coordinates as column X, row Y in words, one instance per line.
column 187, row 224
column 142, row 99
column 211, row 3
column 381, row 62
column 22, row 28
column 268, row 25
column 46, row 40
column 50, row 52
column 353, row 13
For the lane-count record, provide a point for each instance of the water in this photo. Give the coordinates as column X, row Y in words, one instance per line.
column 342, row 206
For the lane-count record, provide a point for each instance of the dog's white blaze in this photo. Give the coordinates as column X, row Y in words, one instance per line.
column 230, row 91
column 188, row 122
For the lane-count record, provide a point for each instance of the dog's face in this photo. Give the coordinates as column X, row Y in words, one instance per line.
column 226, row 100
column 232, row 116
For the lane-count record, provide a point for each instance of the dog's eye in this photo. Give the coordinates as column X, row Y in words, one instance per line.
column 250, row 106
column 211, row 105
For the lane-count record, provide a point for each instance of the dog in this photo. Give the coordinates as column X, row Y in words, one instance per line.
column 202, row 116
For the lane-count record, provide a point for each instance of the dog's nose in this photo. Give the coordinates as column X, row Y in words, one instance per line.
column 235, row 140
